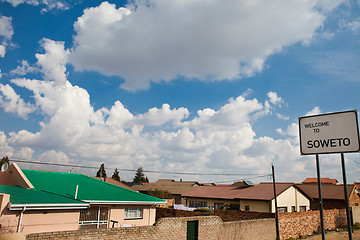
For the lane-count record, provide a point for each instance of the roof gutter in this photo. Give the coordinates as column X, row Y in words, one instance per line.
column 17, row 207
column 123, row 202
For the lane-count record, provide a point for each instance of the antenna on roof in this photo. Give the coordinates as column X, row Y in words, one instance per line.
column 4, row 167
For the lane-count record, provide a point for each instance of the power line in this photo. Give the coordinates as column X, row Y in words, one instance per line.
column 147, row 171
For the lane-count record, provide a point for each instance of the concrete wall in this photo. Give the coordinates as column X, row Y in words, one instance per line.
column 355, row 214
column 210, row 228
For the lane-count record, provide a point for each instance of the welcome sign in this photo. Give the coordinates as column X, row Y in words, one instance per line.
column 329, row 133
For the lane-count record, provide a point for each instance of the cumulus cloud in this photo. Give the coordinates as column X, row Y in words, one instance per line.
column 24, row 69
column 12, row 103
column 158, row 40
column 315, row 111
column 48, row 4
column 6, row 32
column 213, row 140
column 275, row 99
column 53, row 62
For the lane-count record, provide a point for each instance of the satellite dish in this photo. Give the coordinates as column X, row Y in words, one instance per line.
column 357, row 190
column 4, row 167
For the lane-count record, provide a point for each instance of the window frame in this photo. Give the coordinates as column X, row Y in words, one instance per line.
column 139, row 212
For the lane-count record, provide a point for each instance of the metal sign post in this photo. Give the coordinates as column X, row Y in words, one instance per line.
column 346, row 197
column 330, row 133
column 321, row 204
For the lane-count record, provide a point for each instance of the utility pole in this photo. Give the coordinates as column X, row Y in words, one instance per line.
column 276, row 208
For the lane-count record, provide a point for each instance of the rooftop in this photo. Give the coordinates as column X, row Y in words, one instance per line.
column 33, row 198
column 262, row 191
column 85, row 188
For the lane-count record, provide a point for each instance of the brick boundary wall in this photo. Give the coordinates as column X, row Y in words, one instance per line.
column 297, row 224
column 210, row 228
column 225, row 215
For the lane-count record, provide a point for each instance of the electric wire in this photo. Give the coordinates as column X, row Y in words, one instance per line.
column 249, row 175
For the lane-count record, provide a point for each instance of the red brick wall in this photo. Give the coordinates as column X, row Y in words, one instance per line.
column 296, row 224
column 354, row 199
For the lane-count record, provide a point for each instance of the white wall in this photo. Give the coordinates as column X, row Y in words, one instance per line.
column 291, row 197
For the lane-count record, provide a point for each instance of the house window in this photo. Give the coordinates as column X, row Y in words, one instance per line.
column 302, row 208
column 234, row 206
column 197, row 204
column 218, row 205
column 133, row 213
column 282, row 209
column 247, row 208
column 293, row 209
column 94, row 217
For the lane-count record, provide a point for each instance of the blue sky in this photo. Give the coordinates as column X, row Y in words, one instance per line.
column 176, row 86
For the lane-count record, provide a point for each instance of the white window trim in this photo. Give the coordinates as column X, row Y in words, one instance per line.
column 137, row 210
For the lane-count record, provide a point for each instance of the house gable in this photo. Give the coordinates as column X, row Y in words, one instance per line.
column 14, row 176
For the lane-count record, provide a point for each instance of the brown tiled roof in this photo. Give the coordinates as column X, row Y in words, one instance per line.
column 323, row 180
column 329, row 191
column 172, row 186
column 262, row 191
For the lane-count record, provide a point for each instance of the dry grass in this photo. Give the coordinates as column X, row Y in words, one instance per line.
column 341, row 235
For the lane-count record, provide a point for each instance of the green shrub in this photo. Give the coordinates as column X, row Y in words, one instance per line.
column 203, row 210
column 356, row 225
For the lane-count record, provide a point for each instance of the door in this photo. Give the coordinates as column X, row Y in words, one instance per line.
column 192, row 230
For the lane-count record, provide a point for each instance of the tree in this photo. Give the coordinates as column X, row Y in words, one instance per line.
column 102, row 171
column 116, row 175
column 159, row 193
column 139, row 176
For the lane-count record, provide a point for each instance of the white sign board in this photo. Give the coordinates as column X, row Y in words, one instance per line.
column 329, row 133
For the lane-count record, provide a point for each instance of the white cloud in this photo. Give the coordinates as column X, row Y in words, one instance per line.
column 214, row 140
column 5, row 149
column 282, row 117
column 24, row 69
column 315, row 111
column 53, row 62
column 158, row 117
column 49, row 4
column 11, row 102
column 15, row 3
column 6, row 32
column 292, row 130
column 353, row 26
column 158, row 40
column 2, row 50
column 275, row 99
column 6, row 29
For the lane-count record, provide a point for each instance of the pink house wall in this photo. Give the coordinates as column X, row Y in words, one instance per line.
column 117, row 213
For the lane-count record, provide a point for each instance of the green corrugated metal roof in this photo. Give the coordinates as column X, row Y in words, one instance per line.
column 89, row 189
column 23, row 196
